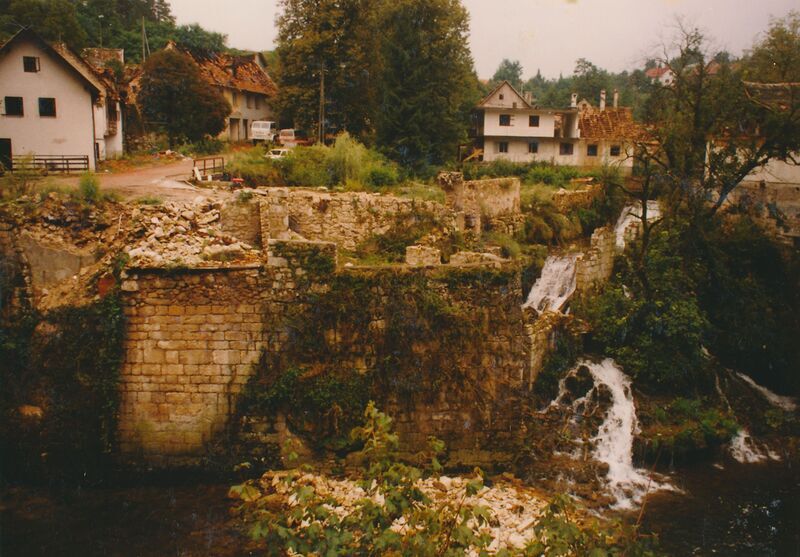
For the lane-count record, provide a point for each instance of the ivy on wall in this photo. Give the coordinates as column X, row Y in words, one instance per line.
column 64, row 367
column 376, row 334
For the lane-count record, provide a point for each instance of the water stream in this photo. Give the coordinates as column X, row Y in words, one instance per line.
column 613, row 443
column 555, row 286
column 631, row 214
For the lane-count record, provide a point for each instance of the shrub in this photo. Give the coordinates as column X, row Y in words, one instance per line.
column 89, row 188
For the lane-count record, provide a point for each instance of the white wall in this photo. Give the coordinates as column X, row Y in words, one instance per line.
column 549, row 151
column 70, row 132
column 519, row 123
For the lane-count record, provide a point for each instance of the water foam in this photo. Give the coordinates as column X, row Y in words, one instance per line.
column 613, row 444
column 631, row 214
column 555, row 286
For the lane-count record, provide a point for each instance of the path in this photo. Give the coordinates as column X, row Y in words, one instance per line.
column 167, row 182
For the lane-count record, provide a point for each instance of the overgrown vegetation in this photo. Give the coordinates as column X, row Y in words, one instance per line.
column 369, row 336
column 60, row 393
column 346, row 164
column 306, row 522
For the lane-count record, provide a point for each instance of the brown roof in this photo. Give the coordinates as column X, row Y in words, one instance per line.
column 234, row 72
column 655, row 73
column 611, row 123
column 99, row 58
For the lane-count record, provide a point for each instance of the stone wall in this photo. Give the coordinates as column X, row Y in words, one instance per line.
column 567, row 200
column 344, row 218
column 495, row 199
column 242, row 221
column 16, row 286
column 596, row 264
column 193, row 337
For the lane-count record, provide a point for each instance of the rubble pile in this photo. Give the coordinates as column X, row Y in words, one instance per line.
column 183, row 234
column 514, row 507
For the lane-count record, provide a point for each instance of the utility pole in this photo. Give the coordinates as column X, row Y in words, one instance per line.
column 322, row 104
column 143, row 54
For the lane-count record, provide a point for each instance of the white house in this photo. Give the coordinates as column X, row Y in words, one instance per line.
column 510, row 126
column 54, row 106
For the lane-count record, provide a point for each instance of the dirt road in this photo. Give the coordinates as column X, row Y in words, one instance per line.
column 167, row 182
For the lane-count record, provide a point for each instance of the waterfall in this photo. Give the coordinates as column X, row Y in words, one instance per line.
column 613, row 443
column 746, row 451
column 743, row 448
column 631, row 214
column 779, row 401
column 552, row 290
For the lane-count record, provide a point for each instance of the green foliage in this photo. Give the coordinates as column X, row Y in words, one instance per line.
column 175, row 97
column 686, row 426
column 508, row 70
column 66, row 362
column 775, row 57
column 561, row 536
column 510, row 247
column 310, row 526
column 347, row 164
column 568, row 347
column 428, row 84
column 339, row 40
column 391, row 246
column 655, row 331
column 205, row 146
column 747, row 286
column 53, row 20
column 89, row 188
column 420, row 328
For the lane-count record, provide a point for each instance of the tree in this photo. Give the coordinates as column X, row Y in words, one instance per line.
column 589, row 80
column 510, row 71
column 174, row 96
column 197, row 39
column 53, row 20
column 428, row 84
column 776, row 57
column 328, row 47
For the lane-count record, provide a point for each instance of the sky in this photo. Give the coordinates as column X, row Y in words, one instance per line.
column 548, row 35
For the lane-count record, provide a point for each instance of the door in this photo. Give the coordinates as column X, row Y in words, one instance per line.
column 5, row 153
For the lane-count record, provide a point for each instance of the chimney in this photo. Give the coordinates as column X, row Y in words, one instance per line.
column 616, row 98
column 602, row 99
column 528, row 96
column 573, row 103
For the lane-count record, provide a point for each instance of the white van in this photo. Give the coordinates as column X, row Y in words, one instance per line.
column 262, row 130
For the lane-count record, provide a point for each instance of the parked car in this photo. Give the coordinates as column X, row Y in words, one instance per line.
column 262, row 130
column 277, row 153
column 292, row 138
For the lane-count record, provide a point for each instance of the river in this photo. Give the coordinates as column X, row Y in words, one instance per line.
column 741, row 510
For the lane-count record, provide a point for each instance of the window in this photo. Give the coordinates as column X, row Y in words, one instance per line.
column 258, row 102
column 249, row 100
column 505, row 119
column 31, row 64
column 234, row 100
column 565, row 149
column 47, row 107
column 502, row 147
column 502, row 96
column 615, row 150
column 14, row 106
column 591, row 150
column 533, row 121
column 533, row 147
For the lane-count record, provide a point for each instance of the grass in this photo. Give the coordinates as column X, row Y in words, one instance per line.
column 149, row 200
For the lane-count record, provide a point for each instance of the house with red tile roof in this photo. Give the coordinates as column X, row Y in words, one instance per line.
column 510, row 125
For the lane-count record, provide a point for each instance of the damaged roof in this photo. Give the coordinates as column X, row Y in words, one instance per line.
column 610, row 123
column 233, row 72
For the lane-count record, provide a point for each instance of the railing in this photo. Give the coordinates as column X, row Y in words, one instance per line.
column 208, row 166
column 51, row 163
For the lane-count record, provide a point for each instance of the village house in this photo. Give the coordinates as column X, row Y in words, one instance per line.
column 245, row 84
column 56, row 111
column 508, row 125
